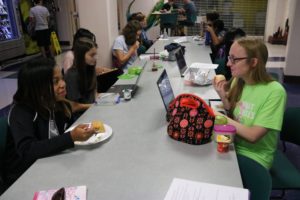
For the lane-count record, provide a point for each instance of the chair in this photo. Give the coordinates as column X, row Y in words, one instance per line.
column 167, row 21
column 255, row 177
column 3, row 133
column 285, row 176
column 274, row 75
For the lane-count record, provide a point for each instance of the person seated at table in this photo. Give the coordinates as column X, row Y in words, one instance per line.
column 190, row 11
column 254, row 101
column 169, row 6
column 81, row 77
column 124, row 50
column 38, row 119
column 230, row 36
column 217, row 33
column 68, row 58
column 145, row 43
column 210, row 18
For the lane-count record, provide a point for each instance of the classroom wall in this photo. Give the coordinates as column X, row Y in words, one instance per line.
column 97, row 16
column 144, row 6
column 292, row 57
column 277, row 13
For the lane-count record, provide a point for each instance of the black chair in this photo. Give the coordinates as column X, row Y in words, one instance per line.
column 3, row 133
column 285, row 176
column 255, row 177
column 168, row 21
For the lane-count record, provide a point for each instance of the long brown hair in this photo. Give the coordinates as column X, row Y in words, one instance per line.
column 87, row 74
column 255, row 48
column 130, row 32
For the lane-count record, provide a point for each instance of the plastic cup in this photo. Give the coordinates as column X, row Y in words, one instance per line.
column 127, row 94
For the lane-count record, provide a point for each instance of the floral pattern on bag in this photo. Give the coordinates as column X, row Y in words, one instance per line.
column 191, row 119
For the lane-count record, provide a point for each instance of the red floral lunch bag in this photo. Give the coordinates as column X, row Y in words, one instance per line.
column 191, row 120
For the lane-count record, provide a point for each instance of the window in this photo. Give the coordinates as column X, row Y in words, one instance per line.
column 250, row 15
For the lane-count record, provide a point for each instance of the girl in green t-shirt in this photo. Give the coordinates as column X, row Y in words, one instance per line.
column 255, row 102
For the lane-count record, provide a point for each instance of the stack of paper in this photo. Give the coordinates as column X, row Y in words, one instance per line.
column 181, row 189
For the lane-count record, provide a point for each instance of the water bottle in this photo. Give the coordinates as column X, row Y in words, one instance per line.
column 207, row 38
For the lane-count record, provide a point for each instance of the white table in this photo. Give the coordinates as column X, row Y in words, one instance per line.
column 139, row 161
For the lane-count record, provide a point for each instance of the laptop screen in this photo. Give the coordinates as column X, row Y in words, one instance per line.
column 165, row 89
column 181, row 62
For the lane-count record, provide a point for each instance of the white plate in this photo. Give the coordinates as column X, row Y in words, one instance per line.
column 96, row 138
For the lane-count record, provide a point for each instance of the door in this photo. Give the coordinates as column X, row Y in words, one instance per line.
column 67, row 21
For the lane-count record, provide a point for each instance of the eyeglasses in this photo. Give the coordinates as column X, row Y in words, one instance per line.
column 233, row 59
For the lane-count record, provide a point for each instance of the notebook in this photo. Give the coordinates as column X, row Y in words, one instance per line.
column 165, row 89
column 133, row 87
column 69, row 193
column 194, row 67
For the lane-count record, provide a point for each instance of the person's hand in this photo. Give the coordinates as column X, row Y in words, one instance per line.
column 220, row 87
column 102, row 70
column 134, row 48
column 181, row 10
column 82, row 132
column 136, row 45
column 217, row 113
column 209, row 29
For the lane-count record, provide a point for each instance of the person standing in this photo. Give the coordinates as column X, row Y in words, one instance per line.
column 39, row 15
column 170, row 5
column 190, row 11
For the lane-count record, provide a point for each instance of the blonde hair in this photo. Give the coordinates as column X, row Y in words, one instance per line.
column 255, row 48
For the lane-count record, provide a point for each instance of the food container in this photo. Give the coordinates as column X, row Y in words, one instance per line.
column 223, row 147
column 224, row 133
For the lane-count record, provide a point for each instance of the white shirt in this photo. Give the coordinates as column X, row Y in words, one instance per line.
column 120, row 44
column 40, row 14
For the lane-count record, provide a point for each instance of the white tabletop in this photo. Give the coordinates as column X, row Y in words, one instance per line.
column 139, row 161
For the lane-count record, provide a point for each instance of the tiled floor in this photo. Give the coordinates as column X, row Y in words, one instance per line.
column 8, row 86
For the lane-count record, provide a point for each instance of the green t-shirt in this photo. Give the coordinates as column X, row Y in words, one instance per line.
column 261, row 105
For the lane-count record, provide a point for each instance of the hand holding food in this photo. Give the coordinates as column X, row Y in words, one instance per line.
column 82, row 132
column 218, row 78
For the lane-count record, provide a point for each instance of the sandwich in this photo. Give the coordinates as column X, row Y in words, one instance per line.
column 98, row 126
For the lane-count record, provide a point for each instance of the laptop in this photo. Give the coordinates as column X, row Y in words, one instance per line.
column 106, row 80
column 195, row 67
column 165, row 89
column 133, row 87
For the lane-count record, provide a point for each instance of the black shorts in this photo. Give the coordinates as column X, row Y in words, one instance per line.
column 43, row 38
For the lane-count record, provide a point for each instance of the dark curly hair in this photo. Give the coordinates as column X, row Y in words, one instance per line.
column 130, row 31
